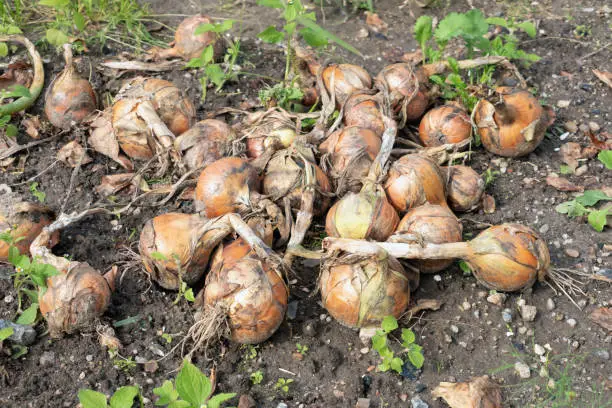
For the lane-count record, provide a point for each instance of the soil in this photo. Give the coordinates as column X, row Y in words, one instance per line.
column 466, row 337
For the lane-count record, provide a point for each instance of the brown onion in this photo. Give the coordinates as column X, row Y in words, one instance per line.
column 244, row 290
column 431, row 224
column 464, row 188
column 443, row 125
column 361, row 292
column 268, row 129
column 187, row 44
column 414, row 180
column 345, row 80
column 364, row 111
column 351, row 151
column 69, row 98
column 207, row 141
column 24, row 222
column 513, row 126
column 225, row 186
column 407, row 94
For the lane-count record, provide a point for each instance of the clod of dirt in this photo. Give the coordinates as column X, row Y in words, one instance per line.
column 603, row 317
column 480, row 392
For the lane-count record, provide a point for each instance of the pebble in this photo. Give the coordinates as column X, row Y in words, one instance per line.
column 571, row 126
column 454, row 329
column 563, row 103
column 564, row 136
column 580, row 171
column 603, row 354
column 366, row 334
column 403, row 397
column 338, row 394
column 522, row 330
column 522, row 369
column 528, row 313
column 363, row 403
column 417, row 402
column 544, row 229
column 594, row 127
column 583, row 127
column 9, row 299
column 364, row 350
column 466, row 305
column 539, row 350
column 507, row 315
column 571, row 322
column 47, row 359
column 89, row 357
column 550, row 304
column 497, row 298
column 82, row 375
column 282, row 405
column 572, row 253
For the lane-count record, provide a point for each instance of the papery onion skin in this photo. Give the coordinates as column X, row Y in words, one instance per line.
column 515, row 126
column 465, row 188
column 432, row 224
column 414, row 180
column 508, row 257
column 364, row 111
column 249, row 290
column 256, row 146
column 225, row 186
column 361, row 293
column 24, row 221
column 347, row 79
column 206, row 142
column 74, row 299
column 406, row 92
column 443, row 125
column 188, row 45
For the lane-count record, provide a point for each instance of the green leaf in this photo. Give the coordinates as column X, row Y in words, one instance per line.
column 31, row 294
column 158, row 256
column 17, row 91
column 217, row 400
column 6, row 333
column 271, row 3
column 396, row 364
column 29, row 315
column 379, row 341
column 166, row 393
column 79, row 21
column 565, row 169
column 221, row 27
column 314, row 38
column 465, row 268
column 215, row 73
column 192, row 385
column 423, row 29
column 291, row 12
column 14, row 256
column 124, row 397
column 408, row 337
column 528, row 27
column 92, row 399
column 449, row 27
column 57, row 4
column 271, row 35
column 454, row 65
column 416, row 358
column 11, row 130
column 389, row 324
column 384, row 366
column 56, row 37
column 3, row 49
column 497, row 21
column 308, row 23
column 605, row 156
column 189, row 295
column 598, row 219
column 592, row 197
column 179, row 404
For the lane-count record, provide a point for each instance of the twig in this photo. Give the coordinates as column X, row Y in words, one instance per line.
column 36, row 176
column 143, row 66
column 16, row 149
column 73, row 177
column 590, row 54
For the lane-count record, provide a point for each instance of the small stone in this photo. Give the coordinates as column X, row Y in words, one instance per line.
column 496, row 298
column 89, row 357
column 364, row 350
column 466, row 305
column 338, row 393
column 448, row 338
column 582, row 303
column 363, row 403
column 602, row 354
column 328, row 319
column 544, row 229
column 366, row 334
column 363, row 33
column 563, row 103
column 417, row 402
column 47, row 359
column 572, row 253
column 403, row 397
column 146, row 401
column 454, row 329
column 550, row 304
column 539, row 350
column 583, row 127
column 322, row 317
column 594, row 127
column 9, row 299
column 522, row 369
column 437, row 278
column 482, row 294
column 507, row 315
column 571, row 126
column 571, row 322
column 82, row 375
column 282, row 405
column 528, row 313
column 580, row 171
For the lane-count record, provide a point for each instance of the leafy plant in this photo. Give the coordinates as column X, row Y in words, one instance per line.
column 122, row 398
column 605, row 156
column 579, row 206
column 410, row 348
column 284, row 97
column 250, row 351
column 465, row 268
column 167, row 337
column 39, row 195
column 490, row 176
column 302, row 348
column 184, row 291
column 125, row 364
column 454, row 87
column 257, row 377
column 283, row 384
column 6, row 333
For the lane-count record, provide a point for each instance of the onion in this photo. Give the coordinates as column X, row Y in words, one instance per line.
column 342, row 80
column 464, row 188
column 246, row 291
column 207, row 141
column 443, row 125
column 407, row 95
column 365, row 111
column 24, row 222
column 431, row 224
column 362, row 291
column 69, row 98
column 414, row 180
column 269, row 129
column 351, row 152
column 515, row 125
column 225, row 186
column 187, row 44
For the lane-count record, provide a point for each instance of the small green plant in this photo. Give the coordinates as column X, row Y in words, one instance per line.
column 39, row 195
column 565, row 169
column 410, row 348
column 184, row 291
column 582, row 31
column 167, row 337
column 6, row 333
column 454, row 87
column 283, row 384
column 605, row 156
column 257, row 377
column 465, row 268
column 285, row 97
column 302, row 348
column 490, row 175
column 124, row 364
column 580, row 206
column 122, row 398
column 250, row 351
column 29, row 279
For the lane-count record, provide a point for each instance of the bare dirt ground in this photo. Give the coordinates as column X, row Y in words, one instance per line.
column 466, row 337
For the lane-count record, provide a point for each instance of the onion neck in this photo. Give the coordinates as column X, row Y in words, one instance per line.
column 400, row 250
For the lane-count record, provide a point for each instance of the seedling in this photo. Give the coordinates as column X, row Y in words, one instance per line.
column 490, row 176
column 250, row 351
column 122, row 398
column 124, row 364
column 465, row 268
column 410, row 348
column 257, row 377
column 302, row 349
column 580, row 206
column 39, row 195
column 167, row 337
column 184, row 291
column 283, row 384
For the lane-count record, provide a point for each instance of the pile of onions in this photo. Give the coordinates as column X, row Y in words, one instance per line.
column 24, row 222
column 342, row 80
column 187, row 44
column 406, row 91
column 514, row 125
column 69, row 98
column 464, row 189
column 429, row 224
column 414, row 180
column 365, row 111
column 444, row 125
column 207, row 141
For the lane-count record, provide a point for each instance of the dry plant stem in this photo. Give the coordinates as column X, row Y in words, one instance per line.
column 399, row 250
column 304, row 215
column 388, row 140
column 16, row 149
column 143, row 66
column 37, row 82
